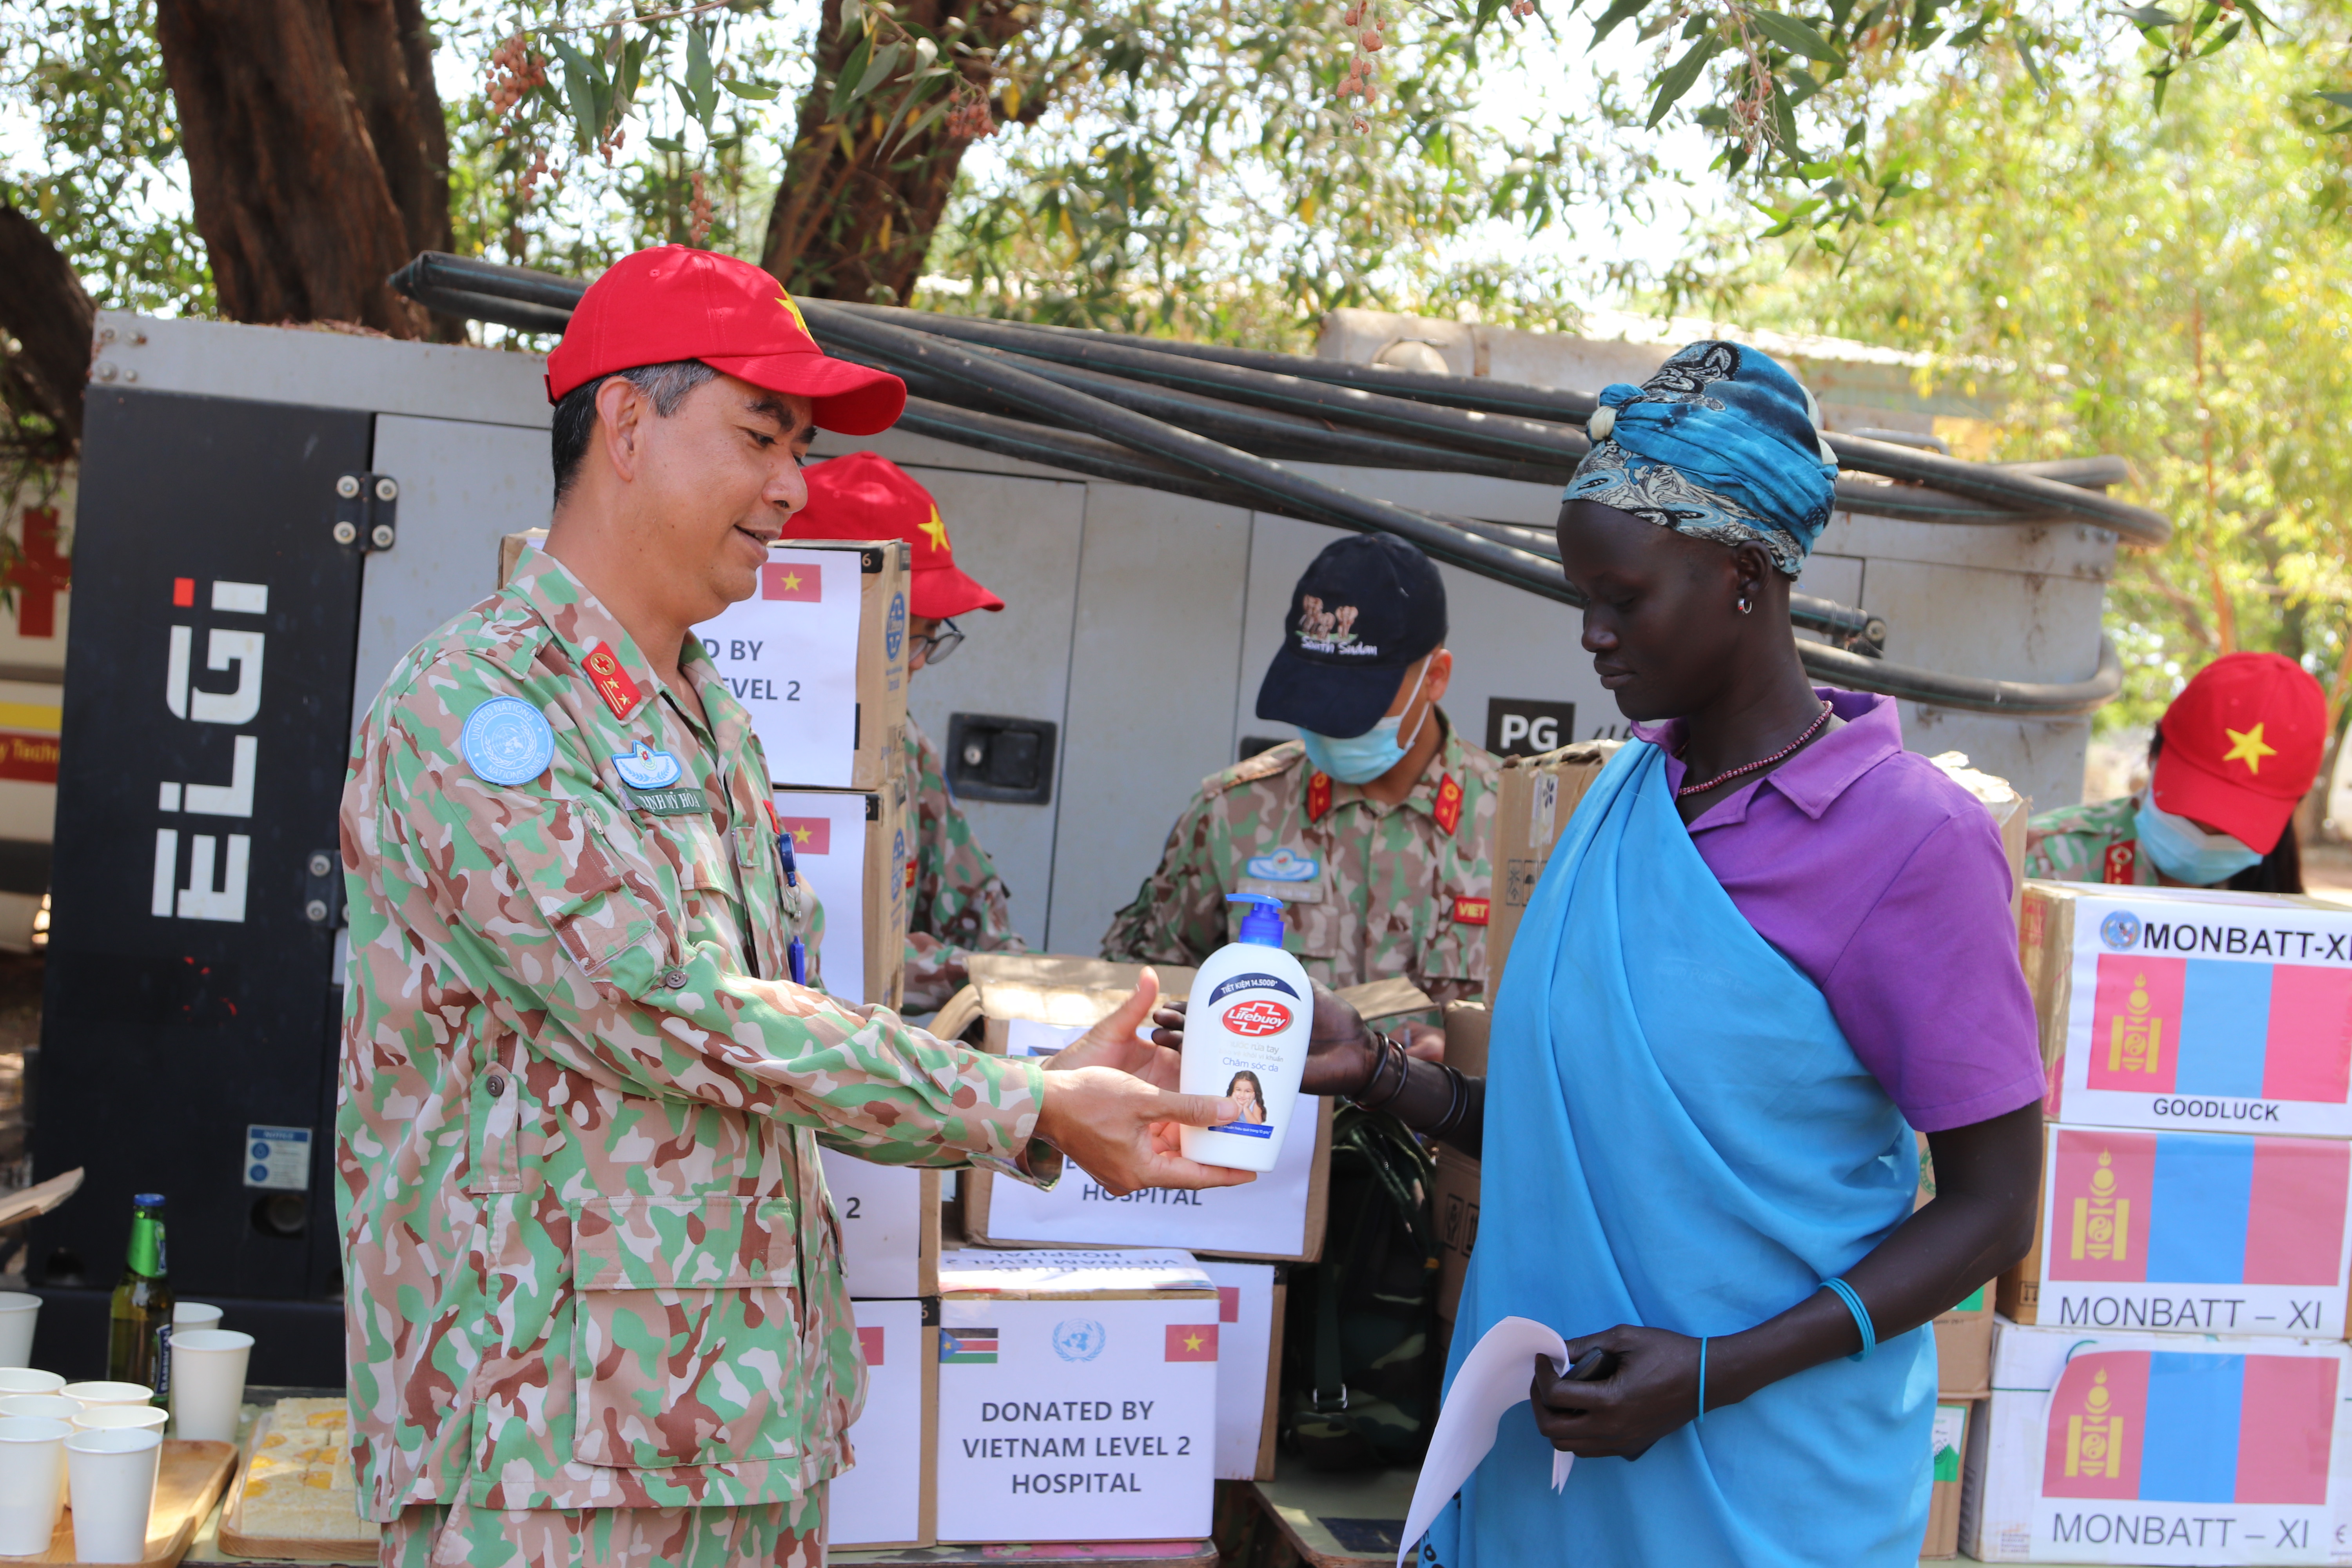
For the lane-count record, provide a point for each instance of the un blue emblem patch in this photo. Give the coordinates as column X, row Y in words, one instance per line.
column 506, row 742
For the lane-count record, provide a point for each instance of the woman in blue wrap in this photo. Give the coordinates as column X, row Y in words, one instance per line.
column 1769, row 945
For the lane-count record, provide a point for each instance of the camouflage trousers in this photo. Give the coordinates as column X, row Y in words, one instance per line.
column 771, row 1535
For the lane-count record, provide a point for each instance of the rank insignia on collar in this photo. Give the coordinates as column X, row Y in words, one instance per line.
column 1318, row 796
column 2120, row 865
column 1448, row 809
column 1471, row 912
column 620, row 693
column 645, row 768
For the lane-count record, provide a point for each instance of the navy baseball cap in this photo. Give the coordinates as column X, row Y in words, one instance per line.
column 1367, row 609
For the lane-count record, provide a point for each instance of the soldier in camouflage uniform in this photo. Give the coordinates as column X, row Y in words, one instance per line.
column 594, row 1283
column 2232, row 758
column 959, row 905
column 1374, row 828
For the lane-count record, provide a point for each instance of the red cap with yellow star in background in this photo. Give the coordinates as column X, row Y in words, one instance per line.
column 671, row 303
column 2241, row 745
column 866, row 496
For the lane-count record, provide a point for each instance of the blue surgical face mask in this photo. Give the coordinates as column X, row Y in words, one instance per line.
column 2186, row 852
column 1360, row 759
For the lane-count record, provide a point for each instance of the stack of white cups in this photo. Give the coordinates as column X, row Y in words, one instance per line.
column 104, row 1440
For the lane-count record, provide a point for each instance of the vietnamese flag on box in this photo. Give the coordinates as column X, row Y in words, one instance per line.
column 797, row 581
column 1192, row 1341
column 2178, row 1426
column 811, row 834
column 869, row 1344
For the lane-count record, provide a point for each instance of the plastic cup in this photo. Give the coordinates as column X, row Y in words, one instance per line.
column 208, row 1383
column 42, row 1407
column 32, row 1482
column 113, row 1485
column 27, row 1379
column 104, row 1393
column 194, row 1315
column 19, row 1312
column 113, row 1417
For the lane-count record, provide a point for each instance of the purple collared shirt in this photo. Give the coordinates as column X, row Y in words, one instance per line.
column 1885, row 883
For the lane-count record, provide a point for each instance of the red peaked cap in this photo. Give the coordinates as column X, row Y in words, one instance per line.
column 2242, row 746
column 675, row 303
column 866, row 496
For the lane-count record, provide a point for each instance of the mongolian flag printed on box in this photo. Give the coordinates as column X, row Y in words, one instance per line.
column 2205, row 1232
column 2165, row 1428
column 2218, row 1014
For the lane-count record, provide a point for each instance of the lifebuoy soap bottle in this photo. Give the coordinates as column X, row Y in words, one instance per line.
column 1245, row 1040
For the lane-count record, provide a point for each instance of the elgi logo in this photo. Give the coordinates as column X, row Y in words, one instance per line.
column 2120, row 930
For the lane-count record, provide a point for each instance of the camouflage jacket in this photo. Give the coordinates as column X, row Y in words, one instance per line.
column 589, row 1258
column 2097, row 843
column 961, row 906
column 1369, row 890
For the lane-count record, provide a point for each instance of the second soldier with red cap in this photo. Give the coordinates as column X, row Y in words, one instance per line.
column 959, row 905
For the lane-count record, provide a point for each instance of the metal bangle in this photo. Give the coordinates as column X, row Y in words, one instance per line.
column 1458, row 1103
column 1379, row 1066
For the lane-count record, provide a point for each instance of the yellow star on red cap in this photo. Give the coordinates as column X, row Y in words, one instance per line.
column 2247, row 746
column 792, row 310
column 936, row 531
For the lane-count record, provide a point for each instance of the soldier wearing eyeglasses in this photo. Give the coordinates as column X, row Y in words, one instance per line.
column 959, row 904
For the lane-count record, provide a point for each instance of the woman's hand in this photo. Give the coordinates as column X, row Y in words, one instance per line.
column 1340, row 1052
column 1651, row 1388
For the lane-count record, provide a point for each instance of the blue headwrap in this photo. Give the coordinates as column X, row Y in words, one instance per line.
column 1721, row 444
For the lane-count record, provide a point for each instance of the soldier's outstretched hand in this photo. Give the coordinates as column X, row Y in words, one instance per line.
column 1106, row 1109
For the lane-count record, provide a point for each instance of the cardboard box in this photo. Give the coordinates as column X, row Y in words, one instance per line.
column 1035, row 1005
column 1250, row 1297
column 510, row 549
column 1454, row 1199
column 818, row 656
column 857, row 849
column 889, row 1218
column 2194, row 1231
column 888, row 1498
column 1943, row 1500
column 1077, row 1396
column 2157, row 1449
column 2163, row 1008
column 1467, row 1025
column 1536, row 798
column 2009, row 812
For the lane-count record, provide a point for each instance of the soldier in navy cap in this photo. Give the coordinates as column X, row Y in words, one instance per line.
column 1373, row 827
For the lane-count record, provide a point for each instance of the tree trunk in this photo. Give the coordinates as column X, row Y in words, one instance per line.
column 42, row 306
column 856, row 223
column 316, row 155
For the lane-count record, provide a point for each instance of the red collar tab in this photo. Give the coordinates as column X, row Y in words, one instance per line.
column 1471, row 912
column 612, row 682
column 1318, row 796
column 1448, row 809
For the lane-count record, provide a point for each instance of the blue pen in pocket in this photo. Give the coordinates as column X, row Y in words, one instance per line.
column 796, row 954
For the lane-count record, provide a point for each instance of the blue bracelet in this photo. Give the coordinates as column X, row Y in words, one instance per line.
column 1701, row 1380
column 1860, row 1317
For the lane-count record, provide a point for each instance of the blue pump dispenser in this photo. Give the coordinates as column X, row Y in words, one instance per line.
column 1263, row 925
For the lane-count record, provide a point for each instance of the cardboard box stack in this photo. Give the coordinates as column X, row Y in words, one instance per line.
column 1077, row 1396
column 2167, row 1372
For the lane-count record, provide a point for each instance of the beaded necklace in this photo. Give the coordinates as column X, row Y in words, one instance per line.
column 1811, row 730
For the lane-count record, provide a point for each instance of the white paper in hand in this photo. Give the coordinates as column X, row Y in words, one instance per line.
column 1495, row 1376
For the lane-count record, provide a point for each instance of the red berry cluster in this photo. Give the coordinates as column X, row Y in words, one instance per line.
column 699, row 212
column 530, row 178
column 969, row 117
column 1358, row 82
column 611, row 143
column 514, row 71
